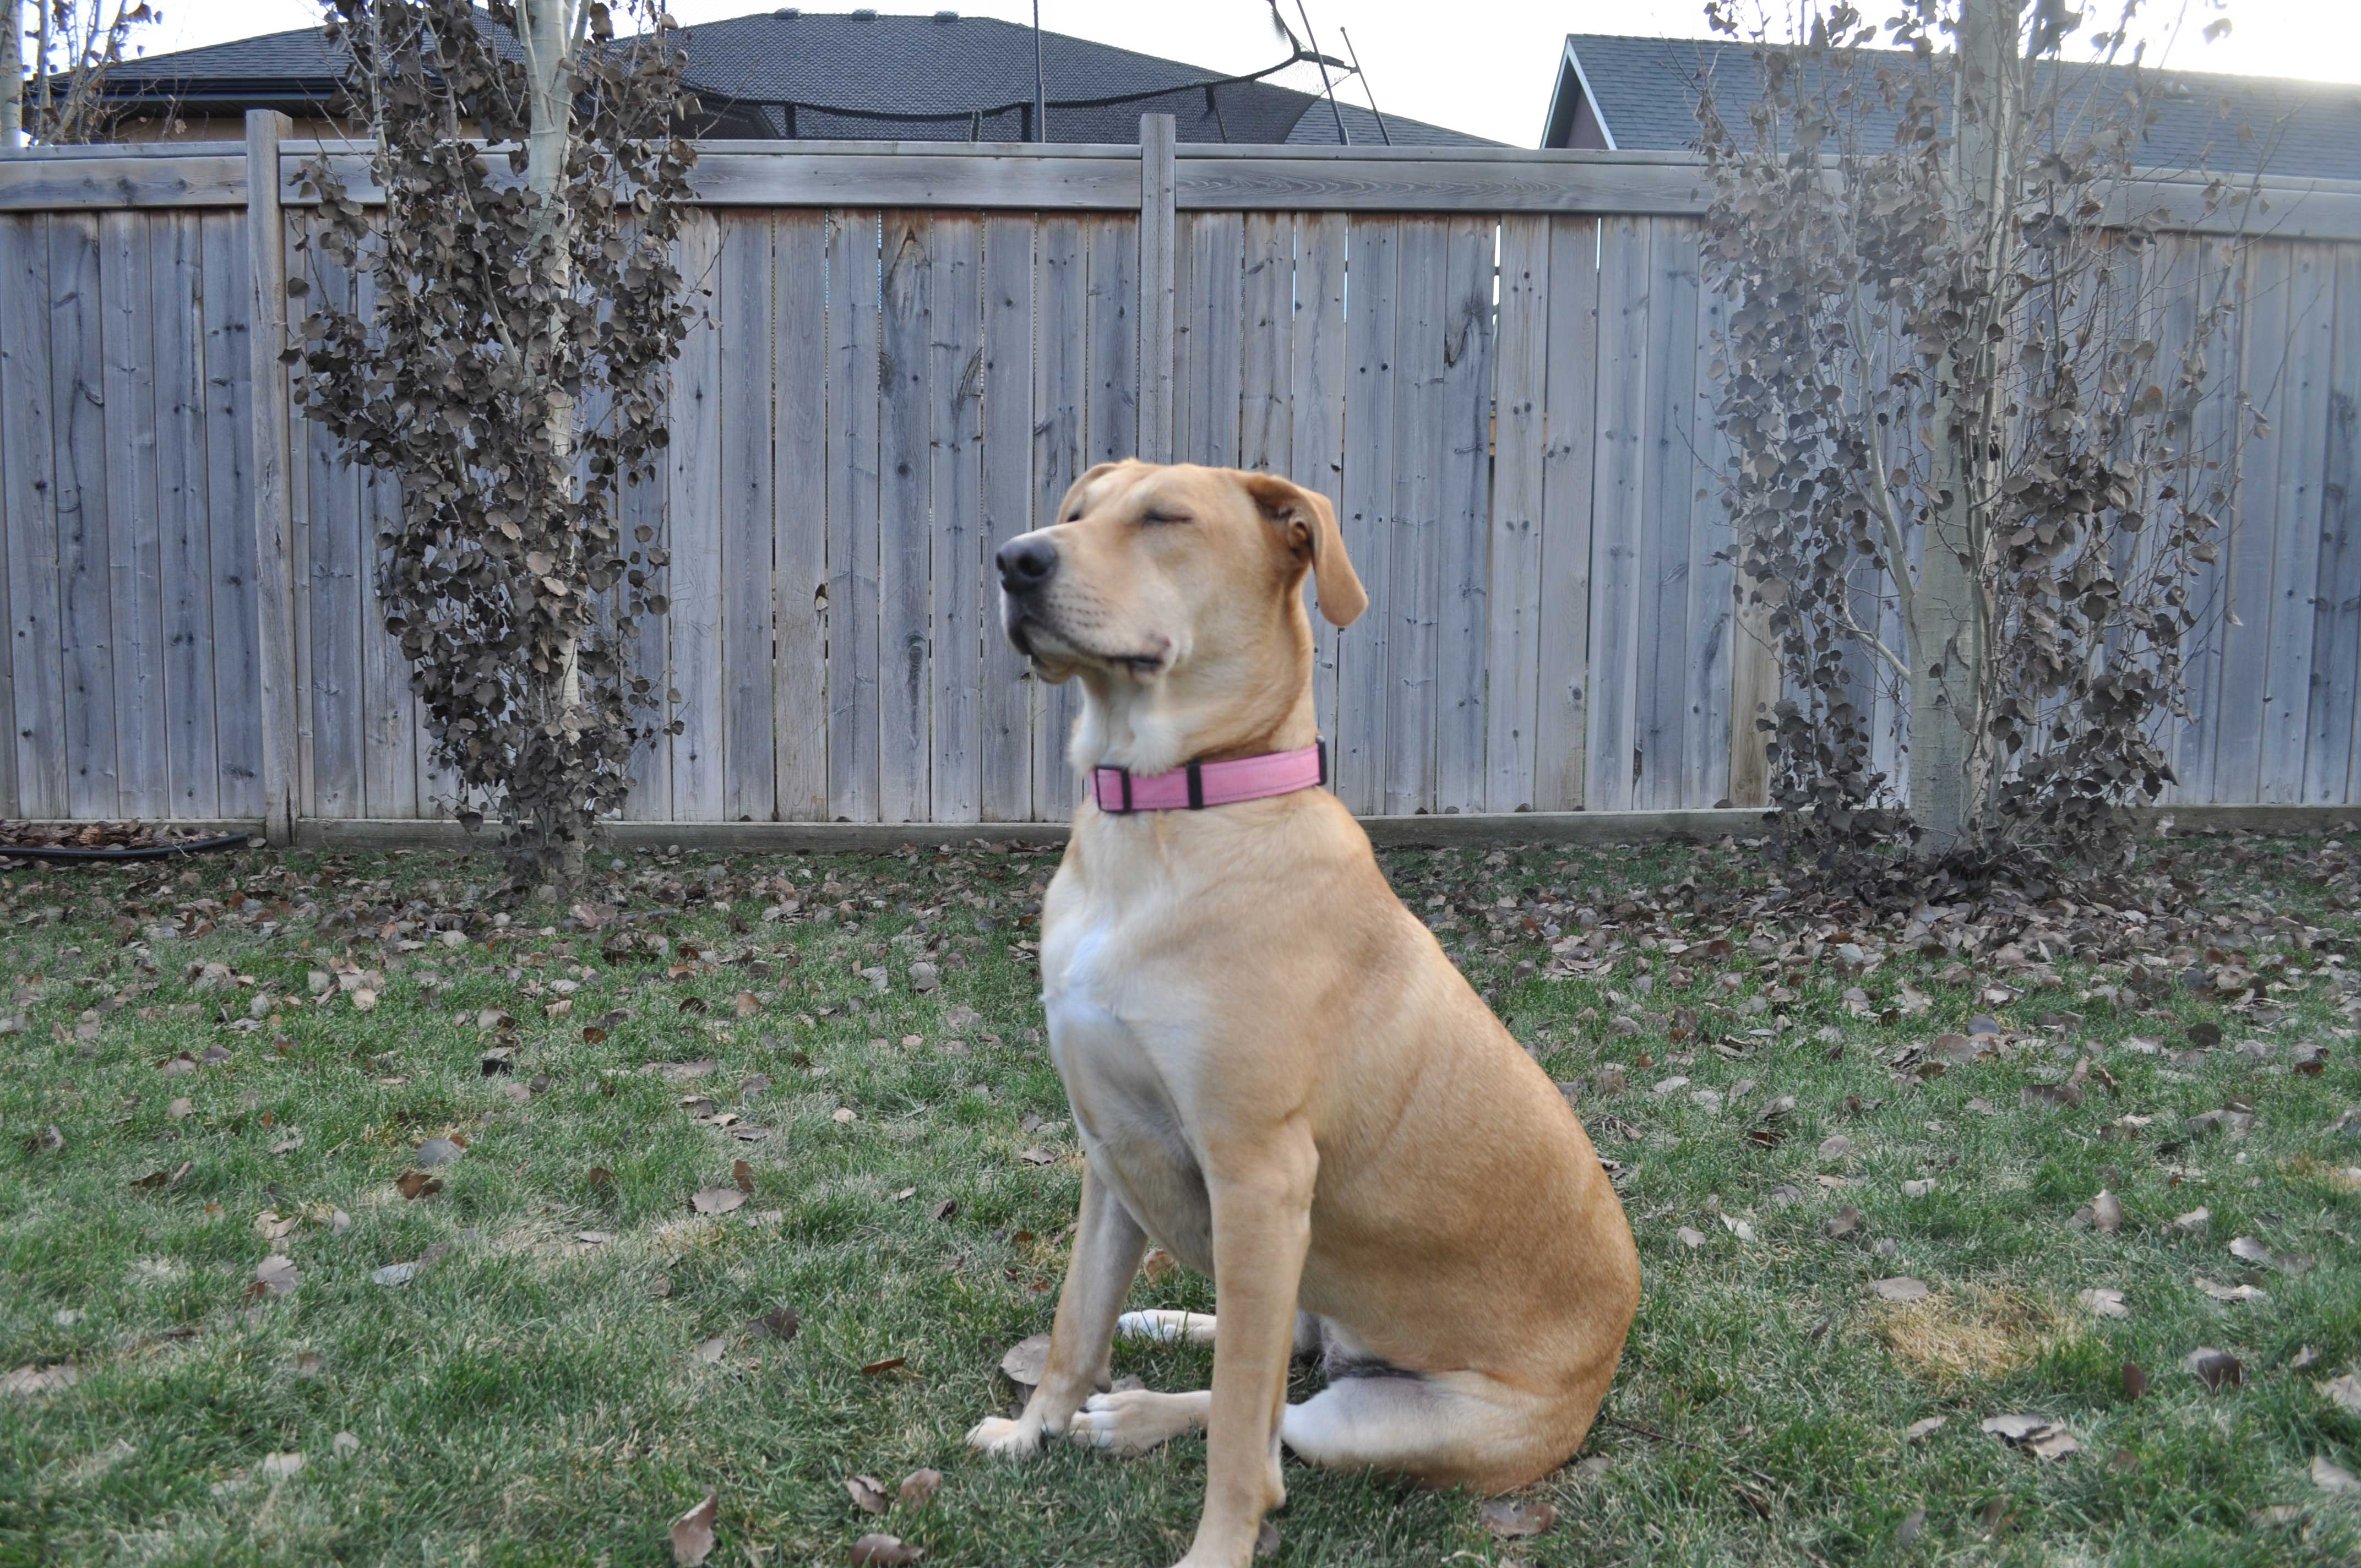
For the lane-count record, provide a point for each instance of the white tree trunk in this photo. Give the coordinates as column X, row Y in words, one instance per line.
column 1949, row 770
column 12, row 79
column 550, row 38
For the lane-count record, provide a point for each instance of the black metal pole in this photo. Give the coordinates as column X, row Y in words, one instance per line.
column 1344, row 137
column 1365, row 88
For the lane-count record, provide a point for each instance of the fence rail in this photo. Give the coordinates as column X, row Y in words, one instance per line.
column 1493, row 362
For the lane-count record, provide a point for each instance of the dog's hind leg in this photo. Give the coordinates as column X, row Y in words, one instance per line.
column 1197, row 1328
column 1445, row 1428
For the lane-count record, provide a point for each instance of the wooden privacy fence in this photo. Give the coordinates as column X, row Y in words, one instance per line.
column 1492, row 362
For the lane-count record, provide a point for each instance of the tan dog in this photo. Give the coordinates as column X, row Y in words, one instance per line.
column 1276, row 1072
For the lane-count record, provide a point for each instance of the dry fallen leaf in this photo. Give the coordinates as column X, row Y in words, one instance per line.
column 718, row 1200
column 868, row 1493
column 2217, row 1369
column 1026, row 1360
column 1903, row 1289
column 692, row 1533
column 181, row 1109
column 918, row 1488
column 438, row 1151
column 417, row 1184
column 2107, row 1211
column 1835, row 1147
column 2134, row 1381
column 712, row 1350
column 275, row 1276
column 2193, row 1221
column 2346, row 1391
column 780, row 1323
column 1923, row 1428
column 1689, row 1236
column 742, row 1175
column 2034, row 1433
column 2102, row 1302
column 2331, row 1476
column 1514, row 1519
column 25, row 1382
column 2247, row 1249
column 879, row 1551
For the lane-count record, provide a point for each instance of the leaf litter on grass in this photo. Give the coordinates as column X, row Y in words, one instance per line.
column 1801, row 938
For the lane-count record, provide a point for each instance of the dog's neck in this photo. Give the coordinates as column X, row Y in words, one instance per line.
column 1241, row 703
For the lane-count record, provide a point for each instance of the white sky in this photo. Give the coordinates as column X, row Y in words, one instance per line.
column 1486, row 67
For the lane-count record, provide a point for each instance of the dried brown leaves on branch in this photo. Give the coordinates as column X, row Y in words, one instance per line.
column 56, row 90
column 1971, row 478
column 496, row 338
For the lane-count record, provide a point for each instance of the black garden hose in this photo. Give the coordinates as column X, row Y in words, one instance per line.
column 143, row 853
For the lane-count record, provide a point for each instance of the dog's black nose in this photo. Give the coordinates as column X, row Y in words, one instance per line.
column 1026, row 564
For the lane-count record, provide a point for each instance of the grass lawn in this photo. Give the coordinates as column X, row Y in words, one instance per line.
column 581, row 1354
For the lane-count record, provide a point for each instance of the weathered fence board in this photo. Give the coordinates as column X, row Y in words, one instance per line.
column 955, row 422
column 2242, row 683
column 1619, row 512
column 1569, row 487
column 854, row 655
column 1496, row 368
column 2295, row 508
column 695, row 629
column 2332, row 757
column 1063, row 307
column 78, row 442
column 177, row 294
column 1462, row 515
column 1004, row 713
column 235, row 656
column 1422, row 429
column 1315, row 396
column 799, row 671
column 902, row 555
column 1365, row 516
column 36, row 770
column 135, row 586
column 743, row 297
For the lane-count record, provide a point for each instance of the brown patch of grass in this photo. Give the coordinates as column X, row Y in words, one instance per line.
column 1955, row 1338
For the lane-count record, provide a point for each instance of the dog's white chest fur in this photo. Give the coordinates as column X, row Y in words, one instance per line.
column 1122, row 1036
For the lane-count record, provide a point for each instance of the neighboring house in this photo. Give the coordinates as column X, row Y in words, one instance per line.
column 1632, row 94
column 787, row 73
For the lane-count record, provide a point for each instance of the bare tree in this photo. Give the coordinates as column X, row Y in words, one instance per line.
column 510, row 376
column 76, row 44
column 1945, row 374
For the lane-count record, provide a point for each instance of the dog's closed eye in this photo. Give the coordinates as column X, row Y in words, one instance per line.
column 1158, row 519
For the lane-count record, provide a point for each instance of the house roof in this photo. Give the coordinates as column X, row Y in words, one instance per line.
column 863, row 76
column 1644, row 92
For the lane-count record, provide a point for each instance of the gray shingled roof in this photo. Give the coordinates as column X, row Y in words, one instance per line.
column 1646, row 94
column 943, row 78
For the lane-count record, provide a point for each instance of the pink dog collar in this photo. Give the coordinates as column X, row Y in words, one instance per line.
column 1119, row 791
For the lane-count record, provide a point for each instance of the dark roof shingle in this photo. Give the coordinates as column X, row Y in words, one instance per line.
column 869, row 76
column 1645, row 90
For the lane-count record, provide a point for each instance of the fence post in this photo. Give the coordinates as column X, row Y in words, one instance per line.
column 274, row 546
column 1157, row 133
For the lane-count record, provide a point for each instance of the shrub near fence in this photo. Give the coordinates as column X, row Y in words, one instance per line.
column 1494, row 362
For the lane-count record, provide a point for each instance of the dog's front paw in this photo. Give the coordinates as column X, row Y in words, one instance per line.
column 1135, row 1420
column 1005, row 1439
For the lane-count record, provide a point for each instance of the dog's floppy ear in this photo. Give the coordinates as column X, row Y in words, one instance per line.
column 1311, row 523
